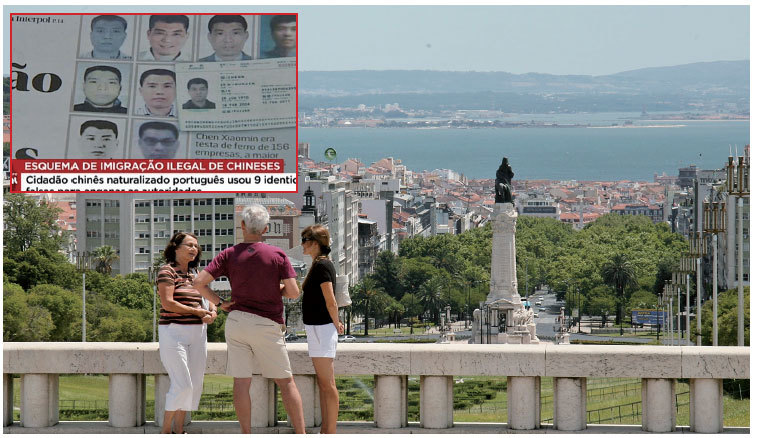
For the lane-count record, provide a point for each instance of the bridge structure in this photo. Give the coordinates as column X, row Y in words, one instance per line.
column 127, row 364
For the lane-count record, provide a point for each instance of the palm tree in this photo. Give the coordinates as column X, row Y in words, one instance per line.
column 431, row 298
column 620, row 274
column 104, row 257
column 363, row 295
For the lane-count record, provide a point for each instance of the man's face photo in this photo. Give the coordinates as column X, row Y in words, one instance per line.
column 107, row 36
column 158, row 144
column 227, row 39
column 158, row 92
column 167, row 39
column 98, row 143
column 102, row 87
column 198, row 93
column 285, row 35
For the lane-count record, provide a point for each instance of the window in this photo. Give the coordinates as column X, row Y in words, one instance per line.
column 182, row 218
column 204, row 217
column 224, row 201
column 224, row 216
column 139, row 204
column 94, row 203
column 159, row 203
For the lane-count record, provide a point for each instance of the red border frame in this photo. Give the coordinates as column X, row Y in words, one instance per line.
column 297, row 97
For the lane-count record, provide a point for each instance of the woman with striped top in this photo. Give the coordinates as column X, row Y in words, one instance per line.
column 184, row 314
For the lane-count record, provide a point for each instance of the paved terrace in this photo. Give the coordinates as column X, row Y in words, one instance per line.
column 128, row 363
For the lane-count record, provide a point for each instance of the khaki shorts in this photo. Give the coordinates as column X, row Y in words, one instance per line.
column 250, row 337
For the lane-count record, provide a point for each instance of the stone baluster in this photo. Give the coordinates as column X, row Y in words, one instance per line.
column 523, row 402
column 390, row 402
column 263, row 396
column 39, row 400
column 569, row 403
column 162, row 384
column 311, row 401
column 7, row 399
column 126, row 400
column 706, row 405
column 658, row 405
column 436, row 408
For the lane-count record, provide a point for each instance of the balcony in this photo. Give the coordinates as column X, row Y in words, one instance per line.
column 39, row 365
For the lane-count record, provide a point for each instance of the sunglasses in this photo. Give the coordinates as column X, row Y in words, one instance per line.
column 305, row 239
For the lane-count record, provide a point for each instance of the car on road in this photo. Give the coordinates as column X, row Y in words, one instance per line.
column 542, row 309
column 346, row 338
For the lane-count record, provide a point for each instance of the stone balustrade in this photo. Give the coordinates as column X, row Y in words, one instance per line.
column 40, row 364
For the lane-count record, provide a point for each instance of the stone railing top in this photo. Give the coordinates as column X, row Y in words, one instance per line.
column 406, row 359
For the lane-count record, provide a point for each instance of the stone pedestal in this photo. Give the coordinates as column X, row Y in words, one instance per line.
column 523, row 403
column 658, row 405
column 504, row 282
column 569, row 403
column 706, row 405
column 390, row 402
column 436, row 407
column 39, row 400
column 126, row 400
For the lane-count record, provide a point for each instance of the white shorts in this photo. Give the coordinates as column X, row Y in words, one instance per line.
column 322, row 340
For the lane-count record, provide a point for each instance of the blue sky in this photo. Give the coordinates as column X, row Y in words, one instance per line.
column 591, row 40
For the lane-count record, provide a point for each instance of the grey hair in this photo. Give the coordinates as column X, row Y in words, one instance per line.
column 255, row 218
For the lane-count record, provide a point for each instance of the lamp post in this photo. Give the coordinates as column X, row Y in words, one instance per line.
column 713, row 224
column 151, row 274
column 697, row 249
column 737, row 183
column 83, row 263
column 657, row 316
column 668, row 299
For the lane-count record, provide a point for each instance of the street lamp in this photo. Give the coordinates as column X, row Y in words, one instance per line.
column 152, row 274
column 737, row 182
column 697, row 249
column 714, row 224
column 83, row 263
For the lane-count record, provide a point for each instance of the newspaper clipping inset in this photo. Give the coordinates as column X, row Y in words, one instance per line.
column 139, row 103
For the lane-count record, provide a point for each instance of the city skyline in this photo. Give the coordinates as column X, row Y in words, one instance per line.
column 580, row 40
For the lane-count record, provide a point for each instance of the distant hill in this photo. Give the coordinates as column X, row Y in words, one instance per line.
column 722, row 84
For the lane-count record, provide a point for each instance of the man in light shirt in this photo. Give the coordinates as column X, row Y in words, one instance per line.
column 98, row 139
column 167, row 35
column 107, row 35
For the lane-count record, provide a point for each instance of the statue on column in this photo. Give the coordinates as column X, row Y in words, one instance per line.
column 503, row 189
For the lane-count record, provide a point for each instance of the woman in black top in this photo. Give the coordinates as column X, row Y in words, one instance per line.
column 321, row 317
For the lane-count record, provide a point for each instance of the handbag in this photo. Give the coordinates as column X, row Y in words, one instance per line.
column 342, row 291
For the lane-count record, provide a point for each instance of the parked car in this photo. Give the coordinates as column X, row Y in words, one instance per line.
column 542, row 309
column 347, row 338
column 291, row 337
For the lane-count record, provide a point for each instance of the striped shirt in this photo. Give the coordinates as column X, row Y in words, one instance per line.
column 183, row 292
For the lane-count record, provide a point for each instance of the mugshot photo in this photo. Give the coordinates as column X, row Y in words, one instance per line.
column 166, row 38
column 225, row 37
column 155, row 91
column 195, row 95
column 102, row 88
column 96, row 137
column 157, row 140
column 278, row 36
column 107, row 37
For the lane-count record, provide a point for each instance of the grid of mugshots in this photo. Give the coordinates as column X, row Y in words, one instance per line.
column 127, row 101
